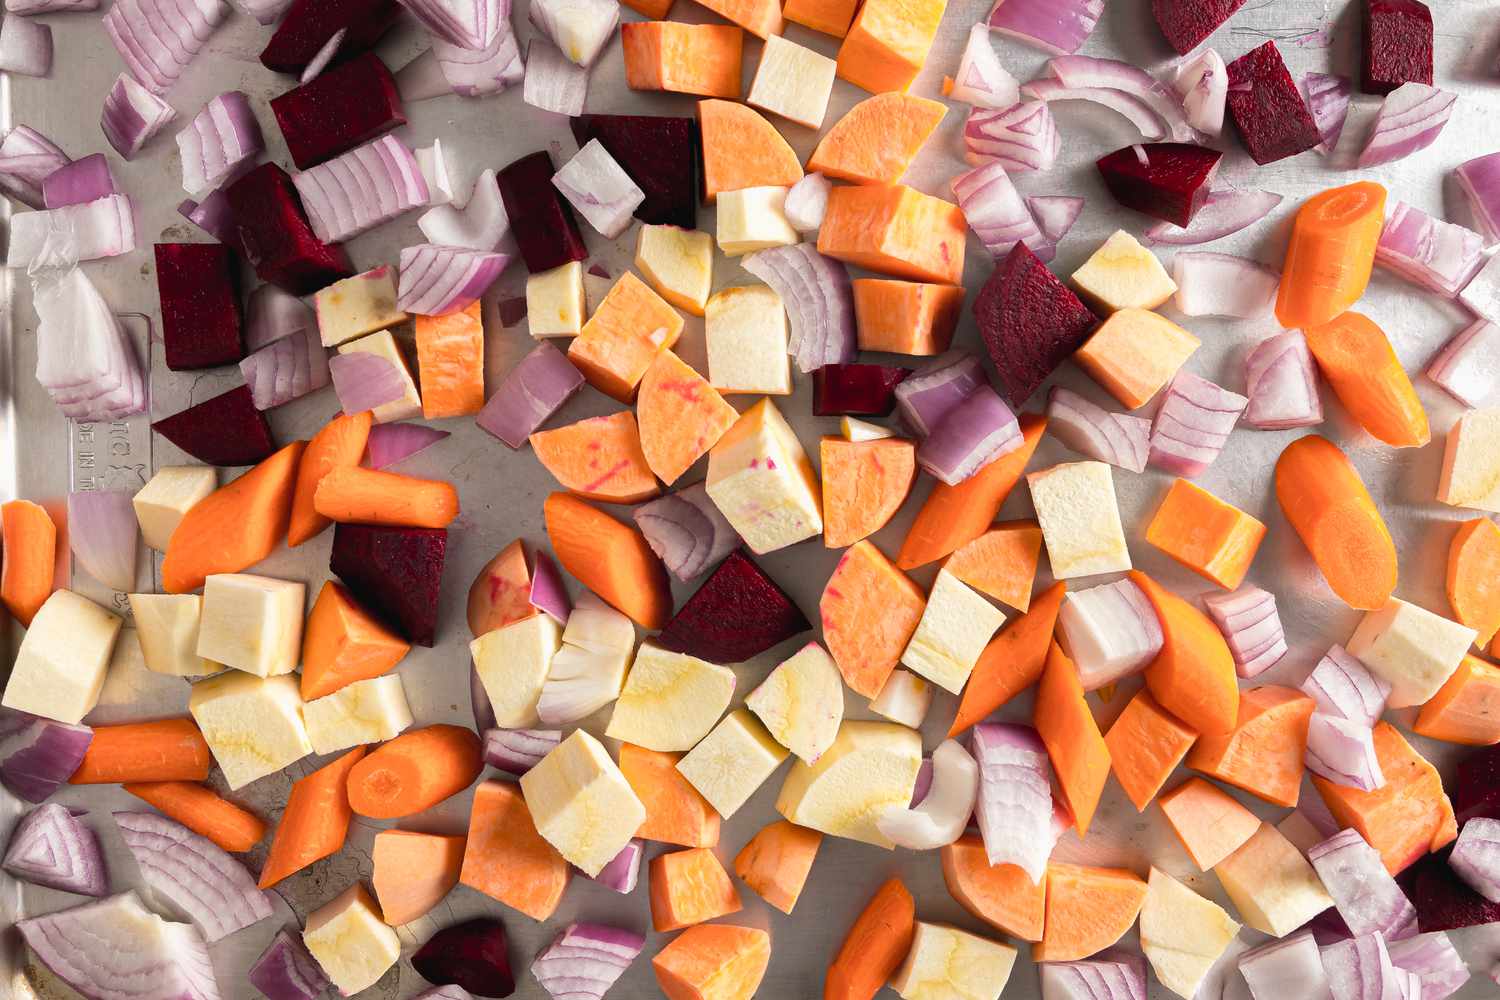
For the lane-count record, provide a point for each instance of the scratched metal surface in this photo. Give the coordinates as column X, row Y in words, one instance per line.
column 501, row 491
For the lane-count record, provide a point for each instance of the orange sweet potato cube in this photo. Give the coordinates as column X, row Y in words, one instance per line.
column 620, row 341
column 870, row 610
column 504, row 856
column 713, row 962
column 1466, row 708
column 1264, row 751
column 761, row 18
column 1216, row 540
column 1145, row 744
column 1208, row 821
column 897, row 230
column 699, row 59
column 888, row 43
column 1134, row 353
column 831, row 17
column 690, row 887
column 450, row 358
column 906, row 317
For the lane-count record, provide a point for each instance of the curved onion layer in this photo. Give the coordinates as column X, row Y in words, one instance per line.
column 38, row 755
column 62, row 236
column 553, row 82
column 84, row 180
column 437, row 280
column 1479, row 179
column 923, row 784
column 213, row 215
column 1224, row 213
column 1109, row 631
column 599, row 189
column 1090, row 73
column 807, row 202
column 193, row 873
column 103, row 533
column 26, row 159
column 158, row 38
column 479, row 702
column 939, row 819
column 1328, row 100
column 1281, row 382
column 286, row 970
column 1343, row 687
column 972, row 434
column 53, row 848
column 84, row 359
column 624, row 869
column 1221, row 284
column 580, row 28
column 517, row 751
column 585, row 960
column 1343, row 752
column 362, row 188
column 392, row 443
column 1476, row 856
column 434, row 166
column 133, row 116
column 1054, row 26
column 535, row 388
column 933, row 391
column 1361, row 967
column 1251, row 627
column 1439, row 256
column 1468, row 366
column 980, row 79
column 1054, row 215
column 1019, row 137
column 1121, row 439
column 1364, row 893
column 819, row 301
column 285, row 370
column 264, row 11
column 686, row 530
column 1434, row 961
column 905, row 698
column 1015, row 796
column 422, row 79
column 1136, row 111
column 467, row 23
column 1202, row 83
column 994, row 210
column 481, row 72
column 48, row 6
column 481, row 224
column 1290, row 967
column 272, row 313
column 364, row 381
column 25, row 47
column 1411, row 118
column 1107, row 976
column 549, row 594
column 1193, row 424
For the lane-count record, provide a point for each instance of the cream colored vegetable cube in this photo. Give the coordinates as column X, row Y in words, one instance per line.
column 855, row 429
column 252, row 724
column 946, row 963
column 671, row 700
column 252, row 623
column 871, row 767
column 1414, row 650
column 350, row 941
column 588, row 671
column 63, row 659
column 512, row 663
column 1122, row 274
column 792, row 81
column 170, row 494
column 746, row 334
column 1080, row 519
column 679, row 264
column 762, row 482
column 1271, row 883
column 753, row 219
column 1471, row 462
column 801, row 702
column 356, row 306
column 956, row 625
column 581, row 803
column 168, row 628
column 1182, row 933
column 368, row 711
column 383, row 345
column 554, row 302
column 732, row 762
column 905, row 698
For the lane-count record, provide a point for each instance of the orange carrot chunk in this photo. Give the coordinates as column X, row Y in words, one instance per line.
column 1210, row 537
column 877, row 139
column 1088, row 909
column 609, row 558
column 864, row 484
column 1003, row 896
column 1466, row 708
column 888, row 42
column 1078, row 753
column 29, row 539
column 870, row 610
column 761, row 18
column 506, row 859
column 1474, row 577
column 450, row 357
column 415, row 771
column 1193, row 676
column 163, row 750
column 741, row 149
column 1146, row 743
column 1263, row 752
column 1208, row 821
column 683, row 58
column 200, row 809
column 413, row 872
column 875, row 946
column 340, row 444
column 1331, row 254
column 1013, row 660
column 896, row 230
column 355, row 495
column 776, row 862
column 713, row 962
column 1001, row 562
column 1357, row 359
column 676, row 812
column 690, row 887
column 315, row 821
column 831, row 17
column 343, row 643
column 599, row 458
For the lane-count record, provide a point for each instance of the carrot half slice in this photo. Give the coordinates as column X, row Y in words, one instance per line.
column 30, row 541
column 1331, row 254
column 1193, row 676
column 1357, row 359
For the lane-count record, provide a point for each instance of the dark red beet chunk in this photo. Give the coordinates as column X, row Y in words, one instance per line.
column 1267, row 107
column 309, row 24
column 225, row 430
column 1185, row 23
column 856, row 390
column 1478, row 787
column 541, row 221
column 737, row 613
column 1165, row 180
column 1444, row 902
column 1398, row 45
column 396, row 572
column 278, row 241
column 349, row 105
column 200, row 310
column 1030, row 322
column 472, row 954
column 660, row 154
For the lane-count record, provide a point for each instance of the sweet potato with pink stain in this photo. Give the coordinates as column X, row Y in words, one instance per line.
column 1165, row 180
column 224, row 430
column 737, row 613
column 395, row 572
column 1031, row 322
column 1185, row 23
column 277, row 238
column 501, row 593
column 338, row 110
column 1267, row 107
column 200, row 308
column 1398, row 45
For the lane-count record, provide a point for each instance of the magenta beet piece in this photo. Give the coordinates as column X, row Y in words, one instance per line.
column 1398, row 45
column 309, row 24
column 338, row 110
column 224, row 430
column 540, row 220
column 660, row 154
column 1267, row 107
column 1030, row 321
column 1185, row 23
column 277, row 238
column 856, row 390
column 1443, row 901
column 472, row 954
column 1477, row 792
column 200, row 309
column 737, row 613
column 396, row 572
column 1165, row 180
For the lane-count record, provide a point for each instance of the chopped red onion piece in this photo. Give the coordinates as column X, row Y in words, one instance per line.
column 437, row 280
column 88, row 179
column 517, row 751
column 1289, row 969
column 819, row 301
column 972, row 434
column 422, row 79
column 623, row 871
column 103, row 533
column 1282, row 384
column 548, row 592
column 580, row 28
column 434, row 166
column 994, row 210
column 1482, row 294
column 599, row 189
column 1089, row 73
column 1224, row 213
column 1343, row 752
column 1054, row 215
column 273, row 313
column 392, row 443
column 365, row 381
column 25, row 47
column 470, row 24
column 686, row 530
column 48, row 6
column 85, row 360
column 26, row 159
column 1054, row 26
column 1019, row 137
column 158, row 38
column 361, row 189
column 1411, row 118
column 481, row 224
column 923, row 784
column 1364, row 893
column 1110, row 632
column 286, row 970
column 214, row 216
column 980, row 79
column 1328, row 99
column 1221, row 284
column 286, row 369
column 1135, row 110
column 52, row 847
column 941, row 815
column 1251, row 626
column 1476, row 856
column 553, row 83
column 60, row 236
column 535, row 388
column 1439, row 256
column 1015, row 796
column 585, row 960
column 1359, row 968
column 1109, row 975
column 1343, row 687
column 37, row 755
column 481, row 72
column 1193, row 424
column 1479, row 179
column 1202, row 83
column 133, row 116
column 1468, row 366
column 932, row 392
column 807, row 202
column 1434, row 961
column 1121, row 439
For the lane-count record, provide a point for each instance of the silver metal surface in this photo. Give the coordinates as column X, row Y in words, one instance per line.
column 502, row 491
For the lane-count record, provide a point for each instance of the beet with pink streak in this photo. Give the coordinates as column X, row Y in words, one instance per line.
column 473, row 955
column 737, row 613
column 660, row 154
column 309, row 24
column 396, row 572
column 1030, row 321
column 1268, row 108
column 1398, row 45
column 226, row 430
column 338, row 110
column 278, row 241
column 540, row 219
column 1165, row 180
column 856, row 390
column 1185, row 23
column 200, row 308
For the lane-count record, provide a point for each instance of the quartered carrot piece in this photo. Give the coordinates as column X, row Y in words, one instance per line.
column 1013, row 660
column 875, row 946
column 413, row 872
column 1474, row 577
column 1079, row 756
column 1003, row 896
column 777, row 860
column 415, row 771
column 1088, row 909
column 1146, row 743
column 1263, row 754
column 690, row 887
column 864, row 484
column 609, row 558
column 29, row 539
column 355, row 495
column 315, row 822
column 599, row 458
column 341, row 443
column 1001, row 562
column 506, row 859
column 1208, row 821
column 1466, row 708
column 741, row 149
column 1193, row 676
column 161, row 750
column 676, row 812
column 877, row 139
column 200, row 809
column 1331, row 254
column 1357, row 359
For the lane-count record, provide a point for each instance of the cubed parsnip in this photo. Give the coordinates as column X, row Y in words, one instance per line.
column 1412, row 649
column 357, row 306
column 855, row 429
column 871, row 767
column 1182, row 933
column 351, row 943
column 763, row 483
column 732, row 761
column 252, row 623
column 956, row 625
column 163, row 501
column 1080, row 519
column 753, row 219
column 168, row 629
column 792, row 81
column 555, row 306
column 670, row 701
column 63, row 659
column 1271, row 883
column 252, row 724
column 1471, row 462
column 1122, row 274
column 945, row 963
column 368, row 711
column 383, row 345
column 581, row 803
column 679, row 263
column 801, row 702
column 745, row 331
column 904, row 699
column 512, row 663
column 588, row 670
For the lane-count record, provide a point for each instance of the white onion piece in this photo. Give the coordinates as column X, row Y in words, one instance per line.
column 358, row 190
column 1054, row 26
column 1364, row 893
column 104, row 533
column 219, row 143
column 1019, row 137
column 1328, row 100
column 1089, row 73
column 52, row 847
column 38, row 755
column 517, row 751
column 1193, row 424
column 1439, row 256
column 193, row 873
column 1015, row 796
column 48, row 6
column 158, row 38
column 933, row 391
column 819, row 301
column 980, row 79
column 553, row 83
column 1251, row 627
column 84, row 360
column 1482, row 294
column 1434, row 961
column 286, row 970
column 1411, row 118
column 686, row 530
column 133, row 116
column 481, row 224
column 1136, row 111
column 392, row 443
column 904, row 698
column 974, row 433
column 585, row 960
column 1202, row 83
column 1289, row 969
column 481, row 72
column 422, row 79
column 436, row 281
column 580, row 28
column 25, row 47
column 272, row 313
column 1109, row 632
column 1343, row 752
column 1342, row 686
column 1479, row 179
column 434, row 167
column 994, row 210
column 1468, row 366
column 214, row 216
column 364, row 381
column 26, row 159
column 264, row 11
column 944, row 812
column 1360, row 968
column 62, row 236
column 532, row 391
column 1110, row 975
column 1221, row 284
column 807, row 202
column 624, row 869
column 1224, row 213
column 1476, row 856
column 285, row 370
column 467, row 23
column 599, row 188
column 1121, row 439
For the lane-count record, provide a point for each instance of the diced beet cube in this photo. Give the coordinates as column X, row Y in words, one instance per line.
column 200, row 309
column 1185, row 23
column 856, row 390
column 278, row 241
column 309, row 24
column 1165, row 180
column 224, row 430
column 396, row 572
column 1443, row 901
column 340, row 109
column 1267, row 107
column 540, row 220
column 660, row 154
column 1030, row 322
column 1478, row 787
column 737, row 613
column 1398, row 45
column 472, row 955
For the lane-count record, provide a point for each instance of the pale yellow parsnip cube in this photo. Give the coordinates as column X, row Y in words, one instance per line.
column 253, row 725
column 1411, row 648
column 745, row 329
column 871, row 767
column 350, row 941
column 732, row 761
column 956, row 625
column 792, row 81
column 581, row 803
column 555, row 305
column 945, row 963
column 368, row 711
column 167, row 497
column 1080, row 519
column 1122, row 274
column 64, row 656
column 358, row 306
column 1271, row 884
column 763, row 483
column 752, row 219
column 168, row 629
column 801, row 702
column 1471, row 462
column 670, row 701
column 252, row 623
column 679, row 264
column 512, row 663
column 1182, row 933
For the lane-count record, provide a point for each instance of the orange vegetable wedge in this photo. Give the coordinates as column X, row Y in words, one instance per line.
column 340, row 444
column 29, row 539
column 777, row 860
column 1208, row 821
column 1193, row 676
column 343, row 643
column 413, row 872
column 609, row 558
column 877, row 139
column 1003, row 896
column 713, row 962
column 888, row 42
column 895, row 230
column 870, row 610
column 599, row 458
column 1001, row 562
column 681, row 416
column 1331, row 254
column 864, row 484
column 356, row 495
column 906, row 317
column 630, row 327
column 415, row 771
column 831, row 17
column 506, row 859
column 315, row 822
column 683, row 58
column 741, row 149
column 1013, row 660
column 690, row 887
column 1079, row 756
column 1466, row 708
column 1474, row 577
column 875, row 946
column 1214, row 539
column 676, row 812
column 450, row 358
column 1088, row 909
column 200, row 809
column 161, row 750
column 1146, row 743
column 501, row 593
column 1357, row 359
column 761, row 18
column 1263, row 753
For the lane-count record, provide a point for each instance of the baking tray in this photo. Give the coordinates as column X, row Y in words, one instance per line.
column 501, row 491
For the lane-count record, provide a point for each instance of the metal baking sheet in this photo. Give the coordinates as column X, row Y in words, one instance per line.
column 502, row 491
